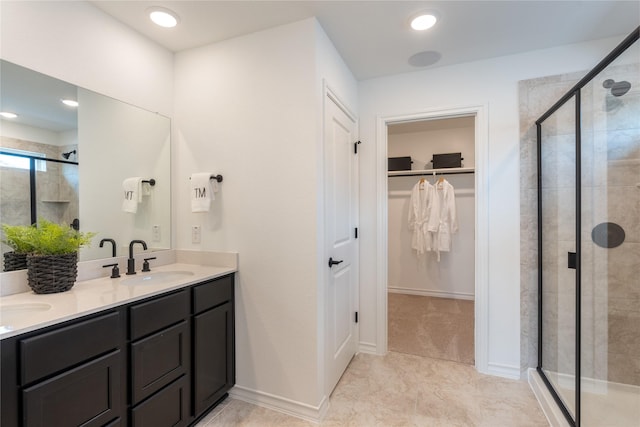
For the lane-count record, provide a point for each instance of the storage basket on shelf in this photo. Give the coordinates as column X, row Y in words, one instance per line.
column 447, row 160
column 399, row 163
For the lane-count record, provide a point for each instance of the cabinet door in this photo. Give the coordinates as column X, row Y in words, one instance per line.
column 214, row 356
column 158, row 360
column 88, row 395
column 167, row 408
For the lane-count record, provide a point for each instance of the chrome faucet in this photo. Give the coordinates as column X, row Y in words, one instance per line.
column 131, row 262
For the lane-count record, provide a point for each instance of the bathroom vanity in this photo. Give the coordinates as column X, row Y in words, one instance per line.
column 139, row 353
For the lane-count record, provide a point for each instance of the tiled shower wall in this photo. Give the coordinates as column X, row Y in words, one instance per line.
column 610, row 277
column 535, row 97
column 56, row 189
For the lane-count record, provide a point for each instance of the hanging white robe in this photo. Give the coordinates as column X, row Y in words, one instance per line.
column 422, row 196
column 443, row 220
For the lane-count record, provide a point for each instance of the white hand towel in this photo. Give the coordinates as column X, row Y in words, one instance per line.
column 132, row 194
column 201, row 192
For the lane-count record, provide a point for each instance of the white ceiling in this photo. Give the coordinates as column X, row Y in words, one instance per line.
column 373, row 37
column 36, row 98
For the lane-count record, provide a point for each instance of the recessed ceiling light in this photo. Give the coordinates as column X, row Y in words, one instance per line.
column 423, row 21
column 8, row 115
column 163, row 17
column 70, row 102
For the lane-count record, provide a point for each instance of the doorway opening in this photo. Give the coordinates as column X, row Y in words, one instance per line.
column 431, row 234
column 461, row 274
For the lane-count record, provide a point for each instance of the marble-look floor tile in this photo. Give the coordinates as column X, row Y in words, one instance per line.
column 406, row 390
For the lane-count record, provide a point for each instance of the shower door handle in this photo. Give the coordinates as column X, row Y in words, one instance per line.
column 572, row 260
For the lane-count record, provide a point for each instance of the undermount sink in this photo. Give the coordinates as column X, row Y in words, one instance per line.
column 10, row 312
column 156, row 277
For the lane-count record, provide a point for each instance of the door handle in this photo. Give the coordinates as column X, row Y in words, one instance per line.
column 332, row 262
column 572, row 260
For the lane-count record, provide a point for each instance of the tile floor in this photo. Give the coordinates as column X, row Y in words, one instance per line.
column 427, row 380
column 405, row 390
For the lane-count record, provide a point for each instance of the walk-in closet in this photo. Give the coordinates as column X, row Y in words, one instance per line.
column 431, row 280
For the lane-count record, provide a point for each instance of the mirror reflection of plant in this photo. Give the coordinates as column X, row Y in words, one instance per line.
column 47, row 238
column 17, row 237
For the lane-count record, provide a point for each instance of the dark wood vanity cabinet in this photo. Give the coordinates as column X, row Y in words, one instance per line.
column 71, row 374
column 213, row 342
column 160, row 361
column 163, row 361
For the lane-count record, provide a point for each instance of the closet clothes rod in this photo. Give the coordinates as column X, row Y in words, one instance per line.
column 425, row 172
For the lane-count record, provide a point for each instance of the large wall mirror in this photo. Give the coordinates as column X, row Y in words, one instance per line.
column 67, row 164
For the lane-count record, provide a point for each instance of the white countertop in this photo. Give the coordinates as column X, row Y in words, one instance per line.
column 27, row 311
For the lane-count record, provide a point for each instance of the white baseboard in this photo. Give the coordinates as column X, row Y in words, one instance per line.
column 367, row 347
column 505, row 371
column 304, row 411
column 430, row 293
column 547, row 403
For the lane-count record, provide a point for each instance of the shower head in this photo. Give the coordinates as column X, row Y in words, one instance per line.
column 617, row 88
column 66, row 155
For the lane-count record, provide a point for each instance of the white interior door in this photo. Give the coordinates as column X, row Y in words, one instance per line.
column 341, row 248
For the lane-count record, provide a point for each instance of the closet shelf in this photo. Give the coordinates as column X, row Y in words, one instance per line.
column 445, row 171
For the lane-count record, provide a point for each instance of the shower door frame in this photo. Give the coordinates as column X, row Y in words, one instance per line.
column 575, row 91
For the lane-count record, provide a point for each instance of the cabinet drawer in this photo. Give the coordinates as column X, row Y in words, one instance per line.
column 88, row 395
column 213, row 293
column 157, row 314
column 62, row 348
column 159, row 359
column 168, row 408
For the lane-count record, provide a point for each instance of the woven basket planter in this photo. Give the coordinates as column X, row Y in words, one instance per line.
column 49, row 274
column 14, row 261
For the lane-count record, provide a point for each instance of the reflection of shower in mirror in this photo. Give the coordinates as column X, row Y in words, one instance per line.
column 68, row 154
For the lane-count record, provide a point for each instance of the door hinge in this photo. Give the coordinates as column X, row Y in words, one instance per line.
column 356, row 232
column 356, row 317
column 355, row 146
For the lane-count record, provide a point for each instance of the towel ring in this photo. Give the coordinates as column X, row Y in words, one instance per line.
column 151, row 181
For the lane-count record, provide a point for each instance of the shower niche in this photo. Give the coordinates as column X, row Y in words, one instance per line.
column 588, row 146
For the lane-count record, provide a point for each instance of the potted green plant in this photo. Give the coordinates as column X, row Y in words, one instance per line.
column 52, row 260
column 16, row 237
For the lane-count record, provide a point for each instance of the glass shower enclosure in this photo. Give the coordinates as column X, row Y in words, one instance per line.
column 589, row 244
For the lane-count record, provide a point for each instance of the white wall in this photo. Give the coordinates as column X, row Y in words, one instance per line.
column 249, row 108
column 490, row 82
column 78, row 43
column 120, row 141
column 35, row 134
